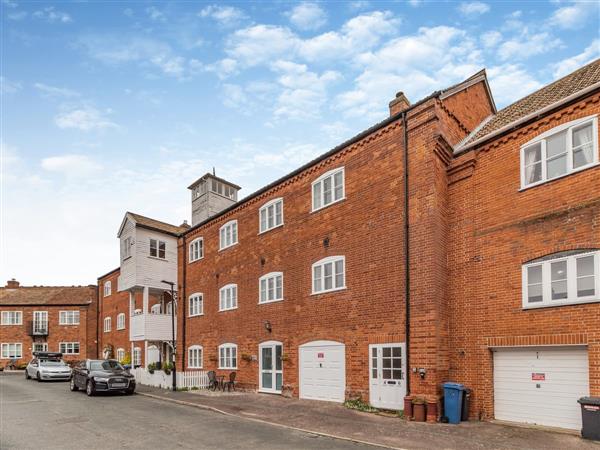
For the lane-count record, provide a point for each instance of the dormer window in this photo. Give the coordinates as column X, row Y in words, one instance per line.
column 563, row 150
column 158, row 248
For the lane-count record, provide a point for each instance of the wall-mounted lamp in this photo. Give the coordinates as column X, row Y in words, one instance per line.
column 262, row 261
column 268, row 326
column 326, row 242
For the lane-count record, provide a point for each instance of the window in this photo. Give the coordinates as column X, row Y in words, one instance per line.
column 223, row 189
column 40, row 322
column 39, row 347
column 228, row 297
column 126, row 248
column 69, row 348
column 120, row 354
column 14, row 350
column 328, row 189
column 195, row 357
column 228, row 356
column 271, row 287
column 196, row 249
column 68, row 318
column 329, row 274
column 107, row 324
column 155, row 309
column 196, row 305
column 107, row 288
column 560, row 151
column 271, row 215
column 121, row 321
column 137, row 357
column 12, row 318
column 562, row 279
column 228, row 235
column 158, row 248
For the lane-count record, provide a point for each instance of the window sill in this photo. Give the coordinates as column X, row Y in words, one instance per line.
column 68, row 324
column 562, row 303
column 158, row 259
column 270, row 229
column 227, row 368
column 329, row 290
column 196, row 260
column 573, row 172
column 228, row 309
column 195, row 368
column 229, row 246
column 12, row 324
column 198, row 315
column 126, row 258
column 270, row 301
column 328, row 205
column 120, row 329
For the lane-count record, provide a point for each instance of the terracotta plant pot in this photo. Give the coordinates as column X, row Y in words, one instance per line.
column 408, row 407
column 419, row 412
column 432, row 411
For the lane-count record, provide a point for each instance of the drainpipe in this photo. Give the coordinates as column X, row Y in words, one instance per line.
column 406, row 254
column 184, row 303
column 97, row 318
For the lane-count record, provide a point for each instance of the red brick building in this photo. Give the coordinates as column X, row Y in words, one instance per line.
column 47, row 318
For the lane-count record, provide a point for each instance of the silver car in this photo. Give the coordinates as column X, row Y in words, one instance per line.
column 48, row 366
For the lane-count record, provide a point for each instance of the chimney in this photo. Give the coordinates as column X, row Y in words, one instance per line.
column 185, row 224
column 12, row 284
column 400, row 103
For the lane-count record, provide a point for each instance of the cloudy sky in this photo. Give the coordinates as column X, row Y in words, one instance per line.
column 116, row 106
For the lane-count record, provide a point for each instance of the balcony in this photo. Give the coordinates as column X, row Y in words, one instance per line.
column 37, row 328
column 151, row 327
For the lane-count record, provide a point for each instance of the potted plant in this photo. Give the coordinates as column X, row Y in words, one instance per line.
column 151, row 367
column 168, row 367
column 247, row 357
column 419, row 409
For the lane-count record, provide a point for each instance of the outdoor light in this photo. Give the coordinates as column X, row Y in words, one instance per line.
column 268, row 326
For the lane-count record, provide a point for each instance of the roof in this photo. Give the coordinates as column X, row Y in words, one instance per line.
column 152, row 224
column 47, row 295
column 480, row 76
column 210, row 175
column 538, row 101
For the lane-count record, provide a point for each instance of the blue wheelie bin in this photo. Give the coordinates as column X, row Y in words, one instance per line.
column 453, row 399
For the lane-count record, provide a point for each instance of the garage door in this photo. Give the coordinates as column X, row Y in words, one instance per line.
column 323, row 371
column 540, row 385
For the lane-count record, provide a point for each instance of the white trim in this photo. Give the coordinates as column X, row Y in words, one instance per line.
column 43, row 344
column 222, row 290
column 201, row 357
column 321, row 343
column 274, row 370
column 265, row 208
column 136, row 357
column 120, row 350
column 107, row 288
column 16, row 313
column 66, row 313
column 328, row 174
column 121, row 321
column 66, row 351
column 226, row 358
column 201, row 308
column 107, row 324
column 158, row 242
column 228, row 228
column 191, row 251
column 321, row 263
column 266, row 278
column 15, row 355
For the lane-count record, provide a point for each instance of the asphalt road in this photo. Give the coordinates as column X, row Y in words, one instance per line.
column 48, row 416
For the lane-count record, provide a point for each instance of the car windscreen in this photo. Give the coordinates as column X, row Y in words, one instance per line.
column 105, row 365
column 52, row 363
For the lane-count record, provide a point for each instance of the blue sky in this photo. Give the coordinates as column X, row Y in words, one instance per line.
column 115, row 106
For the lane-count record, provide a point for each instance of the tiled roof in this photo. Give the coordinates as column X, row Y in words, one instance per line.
column 55, row 295
column 546, row 96
column 157, row 224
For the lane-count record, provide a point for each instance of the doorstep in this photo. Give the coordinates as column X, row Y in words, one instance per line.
column 334, row 420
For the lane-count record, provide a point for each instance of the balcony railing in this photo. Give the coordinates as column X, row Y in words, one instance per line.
column 151, row 327
column 37, row 328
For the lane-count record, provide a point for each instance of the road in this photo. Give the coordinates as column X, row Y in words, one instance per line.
column 48, row 416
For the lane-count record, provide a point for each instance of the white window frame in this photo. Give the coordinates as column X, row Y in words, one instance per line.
column 43, row 344
column 136, row 358
column 126, row 248
column 195, row 361
column 68, row 348
column 223, row 297
column 121, row 321
column 120, row 354
column 541, row 139
column 264, row 281
column 5, row 350
column 70, row 317
column 320, row 182
column 270, row 206
column 196, row 249
column 157, row 248
column 107, row 324
column 226, row 231
column 228, row 359
column 572, row 298
column 10, row 318
column 322, row 263
column 156, row 309
column 196, row 304
column 107, row 288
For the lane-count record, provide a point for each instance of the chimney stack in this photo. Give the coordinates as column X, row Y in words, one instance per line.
column 12, row 284
column 400, row 103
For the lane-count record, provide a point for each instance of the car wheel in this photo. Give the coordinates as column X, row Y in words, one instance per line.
column 27, row 377
column 38, row 377
column 90, row 389
column 130, row 391
column 72, row 385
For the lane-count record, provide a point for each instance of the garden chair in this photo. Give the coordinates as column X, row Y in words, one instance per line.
column 231, row 383
column 213, row 384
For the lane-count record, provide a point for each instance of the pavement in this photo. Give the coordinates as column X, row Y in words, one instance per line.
column 48, row 416
column 334, row 420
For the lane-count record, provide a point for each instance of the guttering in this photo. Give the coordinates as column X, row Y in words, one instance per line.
column 406, row 254
column 108, row 273
column 532, row 116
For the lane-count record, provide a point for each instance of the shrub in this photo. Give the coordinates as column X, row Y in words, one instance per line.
column 168, row 367
column 359, row 405
column 151, row 367
column 126, row 359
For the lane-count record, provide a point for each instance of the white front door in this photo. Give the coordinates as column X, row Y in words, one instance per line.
column 270, row 367
column 153, row 354
column 387, row 375
column 323, row 371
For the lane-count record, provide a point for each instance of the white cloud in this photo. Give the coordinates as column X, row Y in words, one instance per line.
column 9, row 87
column 473, row 9
column 51, row 15
column 526, row 45
column 259, row 44
column 359, row 4
column 223, row 68
column 155, row 14
column 510, row 82
column 491, row 38
column 53, row 91
column 10, row 4
column 415, row 3
column 573, row 63
column 224, row 15
column 308, row 16
column 71, row 165
column 85, row 119
column 575, row 15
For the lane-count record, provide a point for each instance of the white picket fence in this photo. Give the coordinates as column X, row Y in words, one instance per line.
column 198, row 379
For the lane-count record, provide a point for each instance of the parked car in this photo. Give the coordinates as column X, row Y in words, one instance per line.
column 47, row 366
column 102, row 375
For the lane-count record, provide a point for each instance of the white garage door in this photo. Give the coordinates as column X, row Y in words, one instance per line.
column 540, row 385
column 323, row 371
